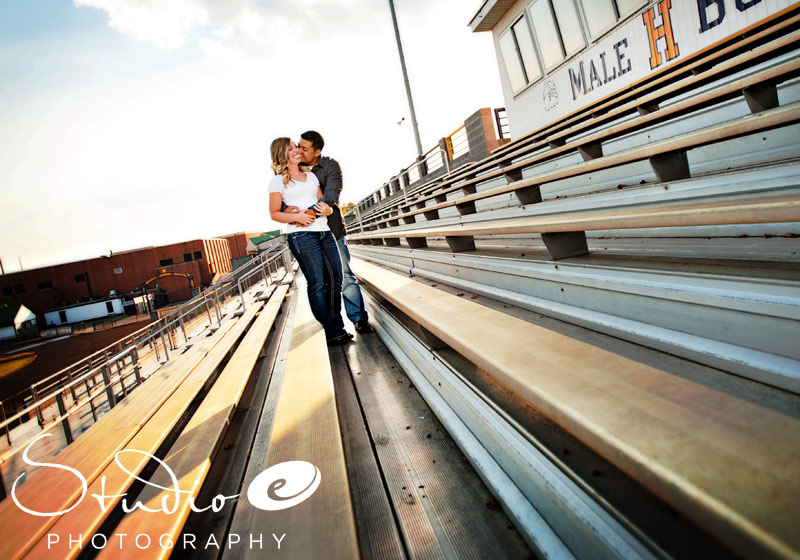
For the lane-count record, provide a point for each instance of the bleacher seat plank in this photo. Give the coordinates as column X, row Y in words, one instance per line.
column 731, row 466
column 654, row 90
column 87, row 517
column 379, row 536
column 782, row 72
column 696, row 64
column 782, row 116
column 305, row 427
column 92, row 452
column 190, row 457
column 439, row 501
column 741, row 210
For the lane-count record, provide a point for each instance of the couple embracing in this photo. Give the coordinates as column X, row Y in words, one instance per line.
column 304, row 195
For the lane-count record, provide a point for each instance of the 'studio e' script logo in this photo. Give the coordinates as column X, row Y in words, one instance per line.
column 279, row 487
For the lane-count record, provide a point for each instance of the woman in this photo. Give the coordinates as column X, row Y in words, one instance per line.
column 309, row 238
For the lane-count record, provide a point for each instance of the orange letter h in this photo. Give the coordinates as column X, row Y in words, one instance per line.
column 655, row 33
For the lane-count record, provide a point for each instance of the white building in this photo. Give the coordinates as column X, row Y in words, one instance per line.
column 556, row 56
column 16, row 321
column 84, row 312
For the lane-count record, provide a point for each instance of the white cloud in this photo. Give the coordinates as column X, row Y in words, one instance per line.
column 135, row 148
column 164, row 23
column 238, row 27
column 219, row 53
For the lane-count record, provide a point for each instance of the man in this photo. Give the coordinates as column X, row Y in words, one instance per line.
column 329, row 174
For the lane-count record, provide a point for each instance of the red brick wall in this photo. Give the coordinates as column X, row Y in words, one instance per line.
column 137, row 266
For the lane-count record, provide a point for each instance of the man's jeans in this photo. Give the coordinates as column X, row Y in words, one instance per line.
column 318, row 257
column 351, row 291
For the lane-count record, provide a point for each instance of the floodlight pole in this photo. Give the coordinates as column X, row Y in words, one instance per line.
column 405, row 79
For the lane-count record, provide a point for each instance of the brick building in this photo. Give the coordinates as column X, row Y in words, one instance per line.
column 55, row 286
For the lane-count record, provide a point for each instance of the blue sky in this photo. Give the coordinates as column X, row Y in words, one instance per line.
column 129, row 123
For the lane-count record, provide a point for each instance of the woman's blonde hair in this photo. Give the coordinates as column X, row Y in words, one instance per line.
column 279, row 151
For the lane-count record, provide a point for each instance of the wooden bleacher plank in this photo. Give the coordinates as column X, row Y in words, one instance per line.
column 87, row 517
column 438, row 499
column 782, row 72
column 741, row 210
column 731, row 466
column 228, row 468
column 240, row 522
column 654, row 89
column 92, row 452
column 378, row 534
column 191, row 455
column 305, row 427
column 782, row 116
column 696, row 63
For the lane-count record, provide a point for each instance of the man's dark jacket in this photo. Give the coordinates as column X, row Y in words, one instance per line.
column 329, row 174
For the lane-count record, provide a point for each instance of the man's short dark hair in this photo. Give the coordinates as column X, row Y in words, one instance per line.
column 315, row 138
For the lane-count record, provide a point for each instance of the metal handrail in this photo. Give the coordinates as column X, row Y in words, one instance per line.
column 437, row 149
column 203, row 295
column 263, row 260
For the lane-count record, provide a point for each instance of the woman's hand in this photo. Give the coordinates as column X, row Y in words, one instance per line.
column 303, row 219
column 323, row 209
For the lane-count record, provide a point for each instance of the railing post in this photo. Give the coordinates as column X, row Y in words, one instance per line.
column 112, row 399
column 91, row 401
column 72, row 388
column 135, row 364
column 163, row 343
column 358, row 216
column 121, row 380
column 216, row 307
column 241, row 294
column 287, row 260
column 5, row 427
column 154, row 344
column 183, row 329
column 39, row 415
column 62, row 411
column 445, row 153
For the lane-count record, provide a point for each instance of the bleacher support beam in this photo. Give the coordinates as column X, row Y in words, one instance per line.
column 461, row 243
column 562, row 245
column 671, row 166
column 761, row 97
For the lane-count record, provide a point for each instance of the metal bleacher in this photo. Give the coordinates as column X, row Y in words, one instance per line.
column 665, row 222
column 585, row 347
column 620, row 286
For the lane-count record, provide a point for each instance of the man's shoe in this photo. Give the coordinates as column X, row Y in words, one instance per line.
column 339, row 340
column 364, row 327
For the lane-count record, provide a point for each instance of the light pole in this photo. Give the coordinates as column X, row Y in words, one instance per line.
column 405, row 79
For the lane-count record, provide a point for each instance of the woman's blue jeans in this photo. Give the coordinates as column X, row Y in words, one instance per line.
column 318, row 257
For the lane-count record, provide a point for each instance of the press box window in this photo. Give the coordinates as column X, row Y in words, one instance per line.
column 198, row 255
column 80, row 278
column 600, row 15
column 557, row 29
column 45, row 285
column 19, row 288
column 166, row 262
column 625, row 7
column 118, row 270
column 8, row 291
column 519, row 55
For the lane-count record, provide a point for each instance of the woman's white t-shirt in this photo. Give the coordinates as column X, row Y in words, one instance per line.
column 302, row 195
